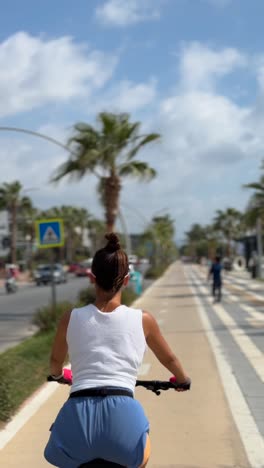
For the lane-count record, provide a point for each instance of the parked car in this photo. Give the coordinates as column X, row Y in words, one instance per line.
column 73, row 267
column 84, row 268
column 43, row 274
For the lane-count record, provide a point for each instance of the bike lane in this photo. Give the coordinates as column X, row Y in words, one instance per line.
column 192, row 429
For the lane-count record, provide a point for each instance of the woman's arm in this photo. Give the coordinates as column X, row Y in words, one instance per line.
column 161, row 349
column 60, row 347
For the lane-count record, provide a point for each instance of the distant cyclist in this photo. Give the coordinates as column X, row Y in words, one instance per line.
column 106, row 342
column 216, row 273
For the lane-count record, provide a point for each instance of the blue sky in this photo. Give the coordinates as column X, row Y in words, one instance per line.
column 190, row 69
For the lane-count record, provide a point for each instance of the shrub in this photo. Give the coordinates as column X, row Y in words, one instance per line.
column 87, row 296
column 154, row 272
column 46, row 318
column 23, row 369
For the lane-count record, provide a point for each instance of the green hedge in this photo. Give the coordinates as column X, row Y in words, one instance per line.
column 46, row 318
column 23, row 369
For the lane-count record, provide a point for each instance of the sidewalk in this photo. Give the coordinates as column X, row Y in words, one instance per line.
column 192, row 429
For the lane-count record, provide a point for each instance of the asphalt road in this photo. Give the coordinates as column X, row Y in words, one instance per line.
column 17, row 310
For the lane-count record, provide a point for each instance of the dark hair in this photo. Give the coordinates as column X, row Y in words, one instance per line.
column 218, row 258
column 110, row 265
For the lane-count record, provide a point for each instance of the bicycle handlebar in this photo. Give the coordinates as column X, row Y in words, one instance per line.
column 153, row 385
column 157, row 385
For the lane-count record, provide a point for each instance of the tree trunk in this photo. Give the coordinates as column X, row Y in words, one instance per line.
column 13, row 232
column 112, row 189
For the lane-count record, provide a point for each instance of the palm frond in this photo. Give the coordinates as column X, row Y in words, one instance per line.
column 137, row 169
column 144, row 141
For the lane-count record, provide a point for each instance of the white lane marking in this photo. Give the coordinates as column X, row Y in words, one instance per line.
column 163, row 311
column 247, row 428
column 27, row 412
column 245, row 344
column 253, row 313
column 144, row 369
column 255, row 295
column 256, row 316
column 240, row 288
column 231, row 296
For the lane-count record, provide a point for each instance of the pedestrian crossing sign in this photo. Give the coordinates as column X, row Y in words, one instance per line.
column 49, row 233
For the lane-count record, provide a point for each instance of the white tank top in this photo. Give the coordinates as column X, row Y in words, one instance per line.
column 105, row 349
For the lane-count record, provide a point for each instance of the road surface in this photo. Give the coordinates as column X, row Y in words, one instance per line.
column 17, row 310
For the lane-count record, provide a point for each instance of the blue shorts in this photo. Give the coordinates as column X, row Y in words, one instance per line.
column 113, row 428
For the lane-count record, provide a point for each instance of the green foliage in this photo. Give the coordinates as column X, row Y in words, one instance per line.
column 87, row 296
column 47, row 318
column 23, row 369
column 128, row 296
column 154, row 272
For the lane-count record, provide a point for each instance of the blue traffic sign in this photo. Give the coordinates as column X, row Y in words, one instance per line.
column 49, row 233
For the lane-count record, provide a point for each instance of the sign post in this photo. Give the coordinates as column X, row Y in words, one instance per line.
column 50, row 234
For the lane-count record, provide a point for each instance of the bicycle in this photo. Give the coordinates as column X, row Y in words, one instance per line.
column 156, row 386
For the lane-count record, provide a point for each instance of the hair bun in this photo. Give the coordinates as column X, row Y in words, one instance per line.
column 113, row 243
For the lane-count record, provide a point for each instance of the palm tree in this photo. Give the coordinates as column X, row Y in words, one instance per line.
column 27, row 214
column 108, row 153
column 163, row 232
column 255, row 207
column 228, row 223
column 255, row 215
column 11, row 200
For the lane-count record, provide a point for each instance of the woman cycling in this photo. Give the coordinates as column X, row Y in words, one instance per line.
column 106, row 342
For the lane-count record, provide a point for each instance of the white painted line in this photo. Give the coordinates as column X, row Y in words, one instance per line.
column 144, row 369
column 240, row 288
column 231, row 296
column 247, row 428
column 254, row 315
column 254, row 323
column 258, row 316
column 163, row 311
column 27, row 412
column 245, row 344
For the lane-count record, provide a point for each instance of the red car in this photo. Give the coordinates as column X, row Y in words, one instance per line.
column 73, row 267
column 84, row 269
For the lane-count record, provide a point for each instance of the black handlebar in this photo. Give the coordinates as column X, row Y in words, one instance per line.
column 157, row 385
column 153, row 385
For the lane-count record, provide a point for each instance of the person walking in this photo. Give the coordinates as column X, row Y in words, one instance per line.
column 216, row 273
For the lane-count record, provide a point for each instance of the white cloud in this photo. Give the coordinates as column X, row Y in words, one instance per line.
column 122, row 13
column 127, row 96
column 201, row 66
column 126, row 12
column 35, row 71
column 210, row 143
